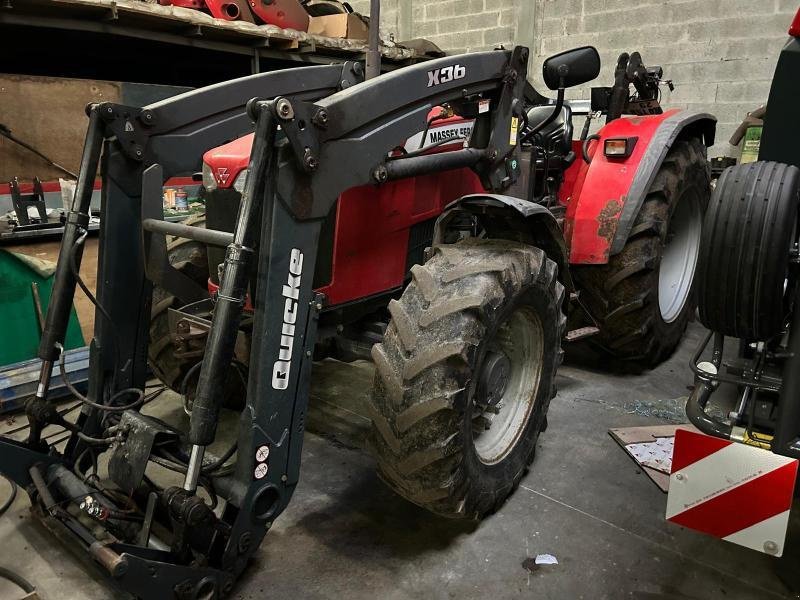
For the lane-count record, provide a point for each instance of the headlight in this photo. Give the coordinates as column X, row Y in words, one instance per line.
column 208, row 178
column 238, row 183
column 619, row 147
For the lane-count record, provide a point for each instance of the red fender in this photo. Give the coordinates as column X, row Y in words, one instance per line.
column 607, row 194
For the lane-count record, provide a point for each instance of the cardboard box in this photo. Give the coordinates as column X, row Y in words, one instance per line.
column 348, row 26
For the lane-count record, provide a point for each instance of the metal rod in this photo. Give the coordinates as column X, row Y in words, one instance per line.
column 115, row 564
column 374, row 39
column 704, row 386
column 213, row 237
column 233, row 288
column 147, row 524
column 695, row 410
column 716, row 360
column 37, row 305
column 433, row 163
column 194, row 468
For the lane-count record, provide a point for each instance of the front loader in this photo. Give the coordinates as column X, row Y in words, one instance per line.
column 166, row 541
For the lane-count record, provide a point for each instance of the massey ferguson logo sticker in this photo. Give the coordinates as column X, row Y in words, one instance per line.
column 438, row 135
column 223, row 174
column 446, row 75
column 291, row 291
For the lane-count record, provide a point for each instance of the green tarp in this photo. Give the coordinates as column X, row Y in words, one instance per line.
column 19, row 332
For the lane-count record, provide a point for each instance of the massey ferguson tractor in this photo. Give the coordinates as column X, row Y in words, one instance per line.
column 356, row 207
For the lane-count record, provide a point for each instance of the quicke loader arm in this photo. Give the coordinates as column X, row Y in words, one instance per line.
column 333, row 141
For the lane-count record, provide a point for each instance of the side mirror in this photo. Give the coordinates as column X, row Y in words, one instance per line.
column 572, row 67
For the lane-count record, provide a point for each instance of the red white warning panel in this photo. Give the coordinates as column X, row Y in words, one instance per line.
column 732, row 491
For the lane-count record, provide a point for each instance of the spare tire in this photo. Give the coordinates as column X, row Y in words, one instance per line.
column 750, row 229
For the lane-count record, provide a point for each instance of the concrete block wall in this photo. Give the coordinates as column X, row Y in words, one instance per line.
column 389, row 16
column 466, row 25
column 720, row 53
column 454, row 25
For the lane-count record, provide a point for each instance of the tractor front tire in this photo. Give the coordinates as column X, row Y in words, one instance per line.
column 644, row 297
column 465, row 375
column 189, row 257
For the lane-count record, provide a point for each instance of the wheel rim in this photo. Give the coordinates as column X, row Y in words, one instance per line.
column 498, row 422
column 679, row 257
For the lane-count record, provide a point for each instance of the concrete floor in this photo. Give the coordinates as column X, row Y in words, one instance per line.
column 584, row 501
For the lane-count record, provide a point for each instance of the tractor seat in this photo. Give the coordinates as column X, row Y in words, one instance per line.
column 557, row 135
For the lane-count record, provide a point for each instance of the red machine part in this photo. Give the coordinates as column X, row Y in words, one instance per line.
column 230, row 10
column 373, row 227
column 372, row 223
column 286, row 14
column 226, row 162
column 598, row 191
column 195, row 4
column 794, row 29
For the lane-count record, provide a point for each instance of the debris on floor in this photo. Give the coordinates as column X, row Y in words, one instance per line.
column 651, row 448
column 532, row 563
column 656, row 455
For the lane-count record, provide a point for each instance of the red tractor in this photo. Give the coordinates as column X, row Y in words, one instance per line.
column 630, row 200
column 328, row 252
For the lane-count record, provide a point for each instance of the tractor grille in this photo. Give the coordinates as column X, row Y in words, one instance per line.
column 420, row 237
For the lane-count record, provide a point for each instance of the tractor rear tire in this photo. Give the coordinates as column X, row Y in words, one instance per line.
column 189, row 257
column 454, row 427
column 644, row 298
column 750, row 229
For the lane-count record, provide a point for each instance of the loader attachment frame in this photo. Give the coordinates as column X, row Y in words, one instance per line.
column 330, row 141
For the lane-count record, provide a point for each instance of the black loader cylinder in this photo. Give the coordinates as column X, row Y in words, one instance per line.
column 232, row 292
column 58, row 310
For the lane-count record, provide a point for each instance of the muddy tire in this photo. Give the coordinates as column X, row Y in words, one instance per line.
column 644, row 297
column 189, row 257
column 750, row 229
column 439, row 375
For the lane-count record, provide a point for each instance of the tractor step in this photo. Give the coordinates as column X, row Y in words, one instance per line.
column 581, row 334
